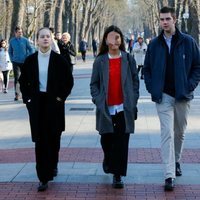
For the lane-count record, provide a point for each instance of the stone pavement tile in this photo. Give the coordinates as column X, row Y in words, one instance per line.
column 9, row 171
column 80, row 172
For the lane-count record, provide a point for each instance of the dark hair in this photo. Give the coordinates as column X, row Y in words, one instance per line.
column 168, row 9
column 104, row 47
column 38, row 32
column 52, row 29
column 3, row 40
column 17, row 28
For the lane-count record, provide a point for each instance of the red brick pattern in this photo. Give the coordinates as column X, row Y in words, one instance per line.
column 70, row 191
column 95, row 155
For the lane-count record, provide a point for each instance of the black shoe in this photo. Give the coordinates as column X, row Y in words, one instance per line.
column 105, row 166
column 169, row 184
column 178, row 169
column 42, row 186
column 117, row 182
column 16, row 98
column 55, row 172
column 5, row 91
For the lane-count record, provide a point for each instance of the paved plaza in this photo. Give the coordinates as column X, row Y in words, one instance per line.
column 80, row 174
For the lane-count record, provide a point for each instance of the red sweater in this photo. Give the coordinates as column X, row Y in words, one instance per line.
column 115, row 95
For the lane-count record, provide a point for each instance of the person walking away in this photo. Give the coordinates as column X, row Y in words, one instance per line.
column 130, row 44
column 5, row 65
column 139, row 51
column 83, row 48
column 67, row 49
column 114, row 89
column 94, row 47
column 172, row 72
column 46, row 81
column 19, row 49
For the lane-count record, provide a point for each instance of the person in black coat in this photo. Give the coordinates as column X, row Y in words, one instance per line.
column 67, row 49
column 83, row 48
column 45, row 82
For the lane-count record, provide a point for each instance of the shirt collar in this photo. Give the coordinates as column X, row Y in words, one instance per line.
column 110, row 57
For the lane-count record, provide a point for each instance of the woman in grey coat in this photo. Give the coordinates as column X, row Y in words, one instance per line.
column 115, row 90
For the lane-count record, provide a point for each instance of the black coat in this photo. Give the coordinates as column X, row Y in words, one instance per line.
column 67, row 50
column 59, row 84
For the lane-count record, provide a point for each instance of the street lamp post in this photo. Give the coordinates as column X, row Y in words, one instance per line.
column 186, row 17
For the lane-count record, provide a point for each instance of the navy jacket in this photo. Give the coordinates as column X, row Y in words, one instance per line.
column 186, row 65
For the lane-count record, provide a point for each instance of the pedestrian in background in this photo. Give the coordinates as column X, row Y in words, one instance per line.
column 67, row 49
column 114, row 89
column 54, row 43
column 83, row 48
column 19, row 49
column 131, row 43
column 172, row 72
column 46, row 81
column 139, row 51
column 58, row 37
column 5, row 64
column 94, row 47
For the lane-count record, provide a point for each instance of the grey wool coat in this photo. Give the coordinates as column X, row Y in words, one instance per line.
column 99, row 92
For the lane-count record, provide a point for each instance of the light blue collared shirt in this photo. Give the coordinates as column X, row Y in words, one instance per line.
column 168, row 41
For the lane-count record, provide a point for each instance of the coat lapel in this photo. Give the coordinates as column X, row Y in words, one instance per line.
column 105, row 70
column 50, row 69
column 36, row 69
column 124, row 67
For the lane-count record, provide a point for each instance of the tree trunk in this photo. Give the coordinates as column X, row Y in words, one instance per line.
column 193, row 20
column 49, row 12
column 7, row 19
column 58, row 16
column 18, row 14
column 82, row 32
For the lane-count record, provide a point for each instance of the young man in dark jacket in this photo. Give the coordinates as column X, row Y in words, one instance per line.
column 172, row 72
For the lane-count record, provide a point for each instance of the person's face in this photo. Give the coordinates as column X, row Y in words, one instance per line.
column 65, row 39
column 19, row 33
column 44, row 39
column 140, row 40
column 167, row 22
column 3, row 44
column 132, row 37
column 113, row 40
column 58, row 36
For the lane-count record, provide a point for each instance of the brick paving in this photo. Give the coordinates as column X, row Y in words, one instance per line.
column 65, row 191
column 95, row 155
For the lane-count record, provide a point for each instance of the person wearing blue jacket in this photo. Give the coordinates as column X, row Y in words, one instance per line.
column 19, row 49
column 172, row 72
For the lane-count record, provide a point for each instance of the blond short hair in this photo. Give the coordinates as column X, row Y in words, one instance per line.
column 67, row 35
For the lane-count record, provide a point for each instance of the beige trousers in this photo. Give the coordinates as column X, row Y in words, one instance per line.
column 173, row 121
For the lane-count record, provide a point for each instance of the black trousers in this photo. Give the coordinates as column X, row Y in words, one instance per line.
column 83, row 55
column 17, row 73
column 47, row 145
column 142, row 70
column 6, row 78
column 115, row 146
